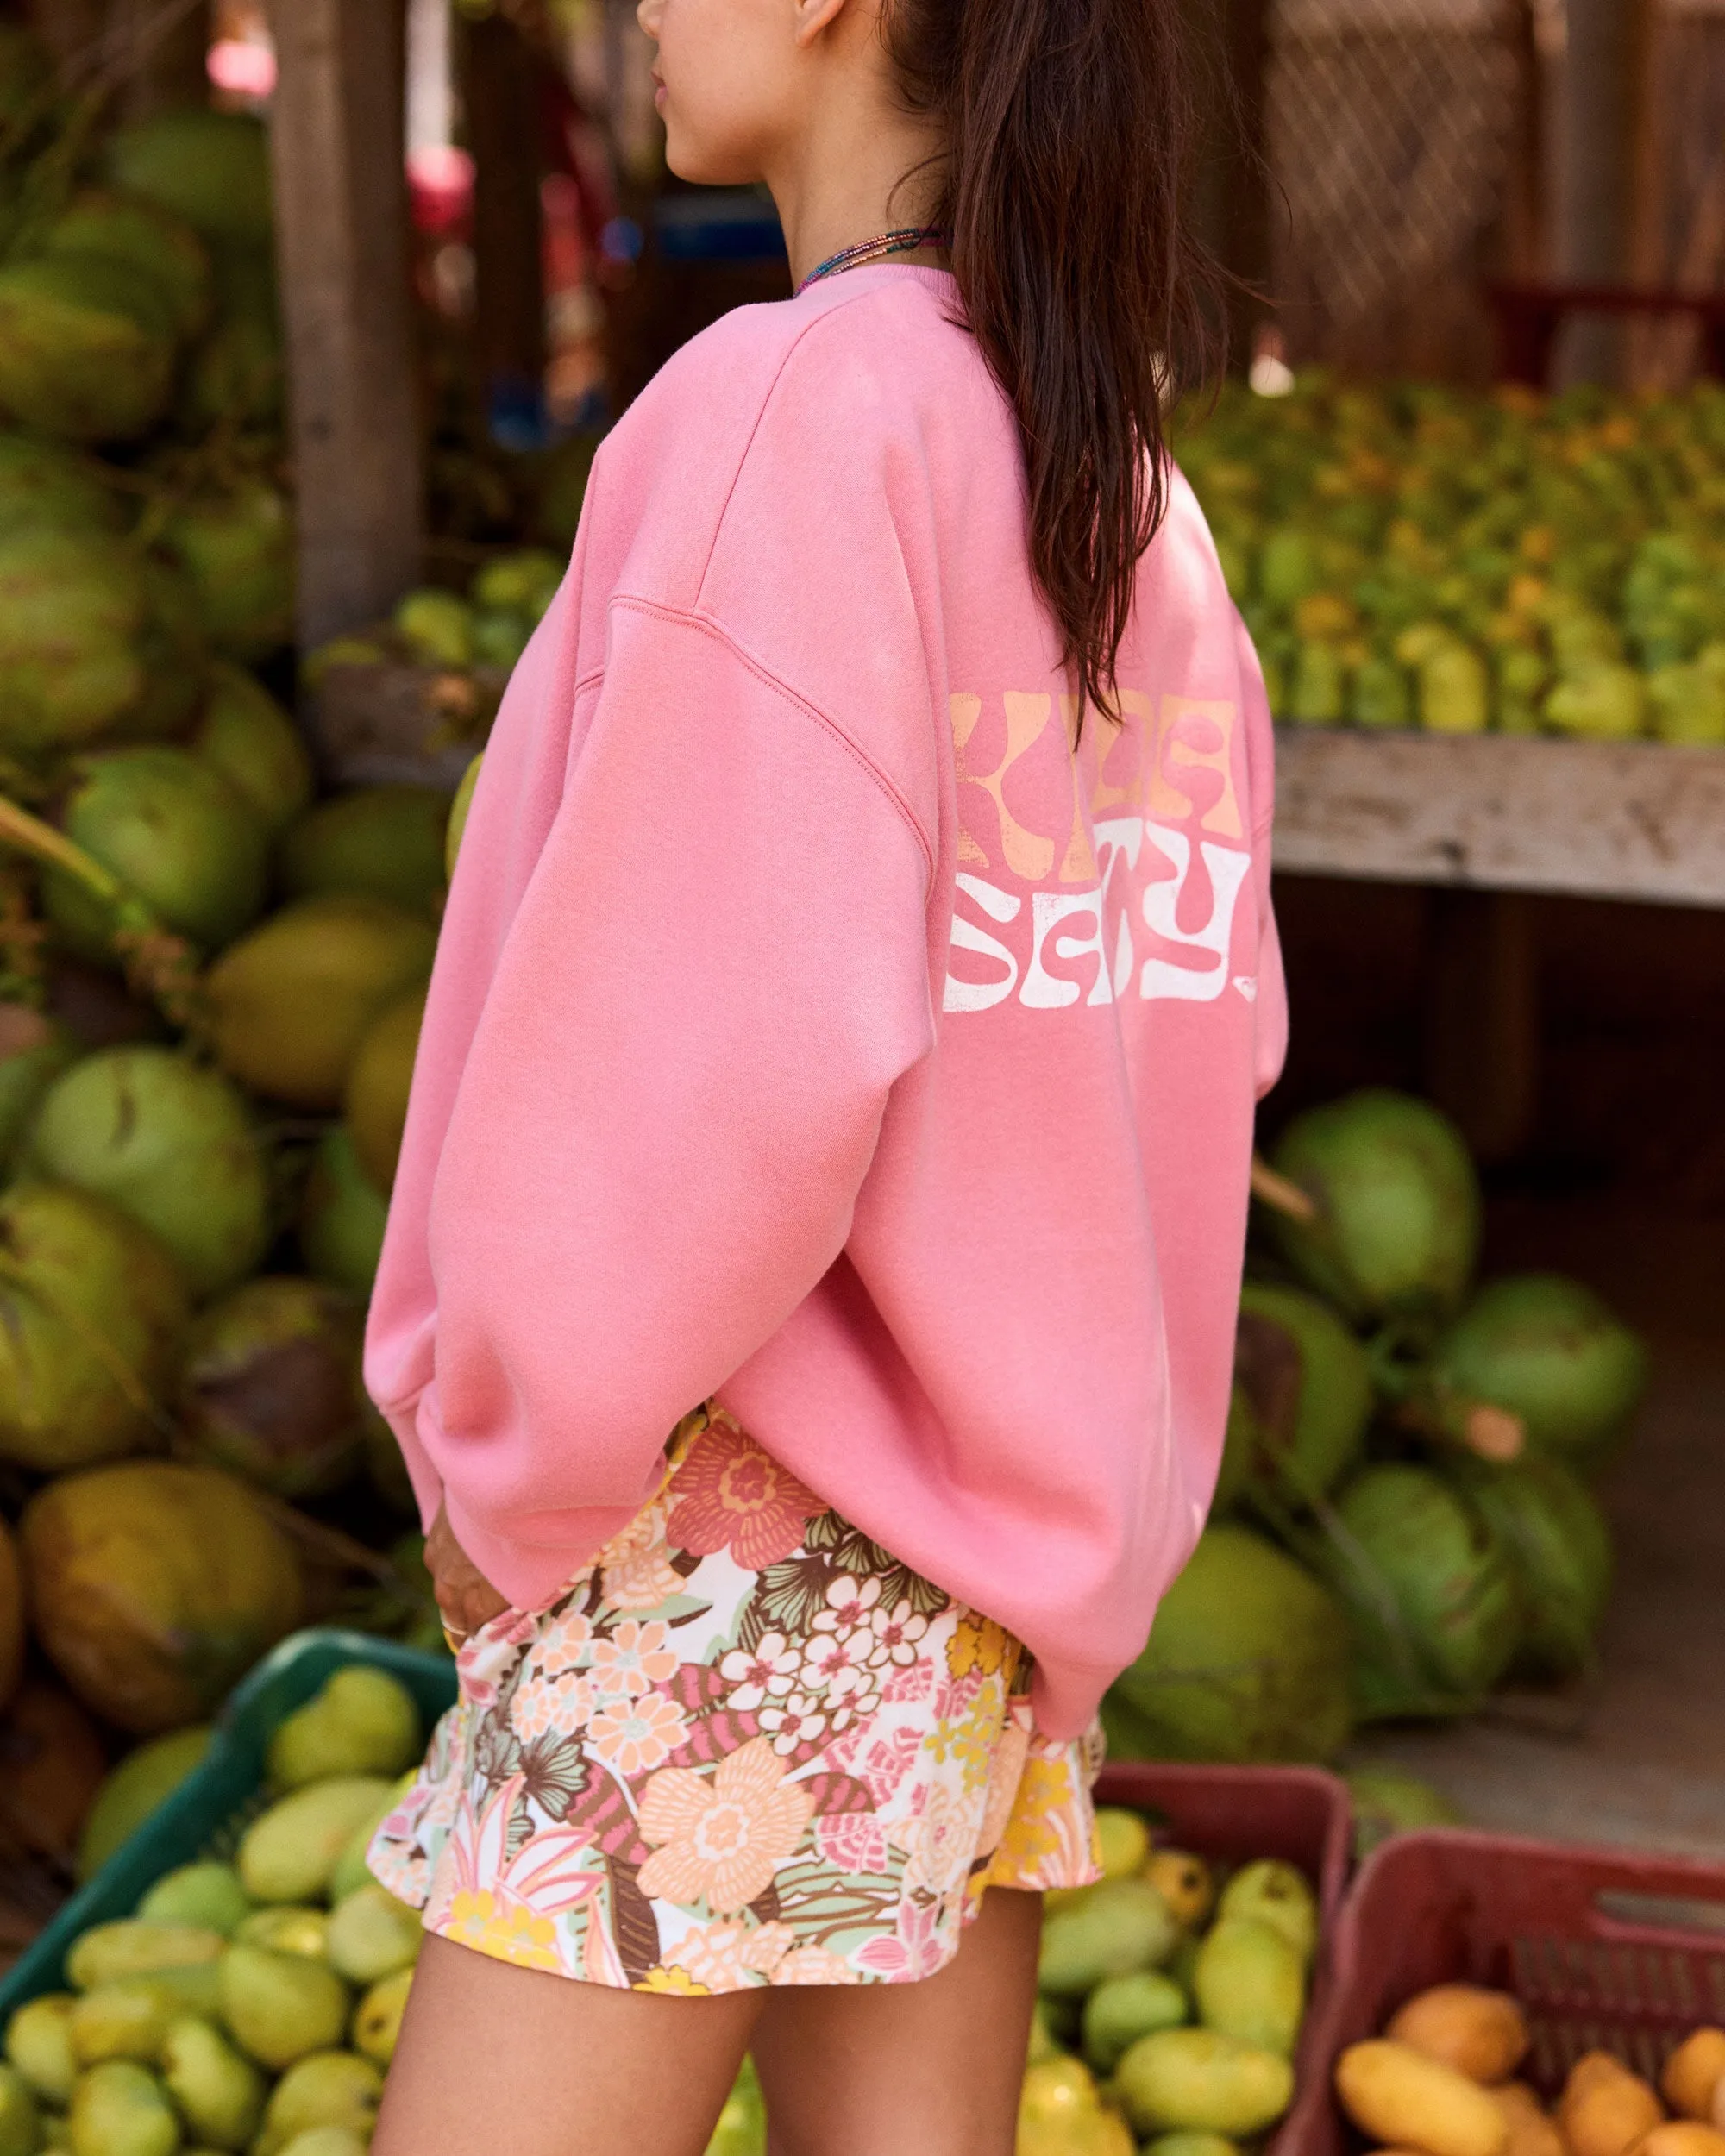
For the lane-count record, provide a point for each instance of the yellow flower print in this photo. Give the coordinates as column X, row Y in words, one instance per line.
column 506, row 1930
column 678, row 1981
column 971, row 1741
column 977, row 1643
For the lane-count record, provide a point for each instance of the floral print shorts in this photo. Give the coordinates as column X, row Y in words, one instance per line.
column 744, row 1747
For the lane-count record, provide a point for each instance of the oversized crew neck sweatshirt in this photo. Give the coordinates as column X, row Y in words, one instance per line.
column 812, row 1028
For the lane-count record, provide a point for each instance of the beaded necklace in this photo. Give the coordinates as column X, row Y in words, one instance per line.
column 906, row 240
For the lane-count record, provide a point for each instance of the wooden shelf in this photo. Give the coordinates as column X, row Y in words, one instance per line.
column 1601, row 819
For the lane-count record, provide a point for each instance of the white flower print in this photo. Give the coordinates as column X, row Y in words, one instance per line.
column 797, row 1721
column 767, row 1673
column 849, row 1602
column 898, row 1630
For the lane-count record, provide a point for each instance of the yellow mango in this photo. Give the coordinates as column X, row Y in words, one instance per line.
column 1683, row 2137
column 1482, row 2034
column 1694, row 2073
column 1402, row 2098
column 1531, row 2133
column 1607, row 2110
column 1124, row 1839
column 1184, row 1883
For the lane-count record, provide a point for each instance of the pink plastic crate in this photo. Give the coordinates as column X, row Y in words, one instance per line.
column 1299, row 1814
column 1605, row 1949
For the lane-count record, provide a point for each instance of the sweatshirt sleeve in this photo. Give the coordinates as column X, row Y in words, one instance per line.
column 672, row 1091
column 1270, row 1007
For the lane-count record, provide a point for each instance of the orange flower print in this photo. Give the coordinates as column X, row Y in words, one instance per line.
column 634, row 1736
column 632, row 1660
column 563, row 1644
column 722, row 1839
column 729, row 1495
column 729, row 1954
column 544, row 1703
column 636, row 1571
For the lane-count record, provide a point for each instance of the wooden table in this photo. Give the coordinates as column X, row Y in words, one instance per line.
column 1483, row 821
column 1486, row 811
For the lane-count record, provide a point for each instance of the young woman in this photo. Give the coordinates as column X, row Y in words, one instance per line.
column 841, row 1061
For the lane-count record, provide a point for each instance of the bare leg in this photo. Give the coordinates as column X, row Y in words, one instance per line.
column 500, row 2061
column 934, row 2066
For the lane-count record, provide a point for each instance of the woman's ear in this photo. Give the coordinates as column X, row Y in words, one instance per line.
column 813, row 16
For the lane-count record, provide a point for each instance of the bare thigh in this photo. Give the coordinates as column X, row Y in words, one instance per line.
column 500, row 2061
column 934, row 2066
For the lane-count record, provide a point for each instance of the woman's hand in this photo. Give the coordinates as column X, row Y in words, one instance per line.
column 465, row 1596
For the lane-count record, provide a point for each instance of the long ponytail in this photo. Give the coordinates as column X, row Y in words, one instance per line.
column 1070, row 125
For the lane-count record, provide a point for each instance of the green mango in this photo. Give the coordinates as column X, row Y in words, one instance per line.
column 377, row 2021
column 353, row 1871
column 279, row 2007
column 1191, row 2141
column 1193, row 2078
column 458, row 815
column 127, row 2019
column 220, row 2094
column 144, row 1779
column 39, row 2045
column 129, row 1948
column 371, row 1935
column 1276, row 1894
column 328, row 2089
column 1318, row 694
column 1378, row 695
column 327, row 2141
column 288, row 1854
column 207, row 1894
column 1122, row 2008
column 119, row 2108
column 288, row 1930
column 245, row 736
column 1601, row 702
column 1120, row 1927
column 20, row 2119
column 1455, row 690
column 438, row 627
column 1251, row 1984
column 363, row 1722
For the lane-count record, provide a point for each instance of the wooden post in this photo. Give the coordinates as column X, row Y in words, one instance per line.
column 159, row 69
column 343, row 248
column 500, row 83
column 1482, row 1017
column 1600, row 70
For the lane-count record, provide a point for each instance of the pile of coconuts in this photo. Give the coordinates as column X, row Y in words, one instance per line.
column 1404, row 1518
column 210, row 983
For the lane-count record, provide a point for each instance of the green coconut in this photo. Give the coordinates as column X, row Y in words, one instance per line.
column 292, row 1001
column 1398, row 1205
column 176, row 659
column 1247, row 1660
column 386, row 840
column 169, row 1143
column 87, row 348
column 143, row 1781
column 78, row 613
column 211, row 168
column 245, row 735
column 238, row 549
column 341, row 1217
column 270, row 1385
column 46, row 488
column 1547, row 1348
column 175, row 833
column 1308, row 1383
column 91, row 1314
column 1436, row 1617
column 155, row 1585
column 1559, row 1544
column 374, row 1103
column 33, row 1050
column 143, row 236
column 238, row 374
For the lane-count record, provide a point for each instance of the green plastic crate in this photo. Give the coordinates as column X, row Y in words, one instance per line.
column 208, row 1812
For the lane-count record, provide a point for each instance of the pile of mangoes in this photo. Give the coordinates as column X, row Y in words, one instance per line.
column 1415, row 554
column 1440, row 2082
column 250, row 2004
column 1171, row 1996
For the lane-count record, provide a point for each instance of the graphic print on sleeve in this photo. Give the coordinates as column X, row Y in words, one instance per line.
column 1135, row 894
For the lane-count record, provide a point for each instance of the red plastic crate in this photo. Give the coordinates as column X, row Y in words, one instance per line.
column 1299, row 1814
column 1605, row 1949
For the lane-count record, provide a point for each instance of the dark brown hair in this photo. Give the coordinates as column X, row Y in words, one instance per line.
column 1070, row 125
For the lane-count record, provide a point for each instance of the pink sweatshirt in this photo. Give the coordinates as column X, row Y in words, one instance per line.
column 811, row 1028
